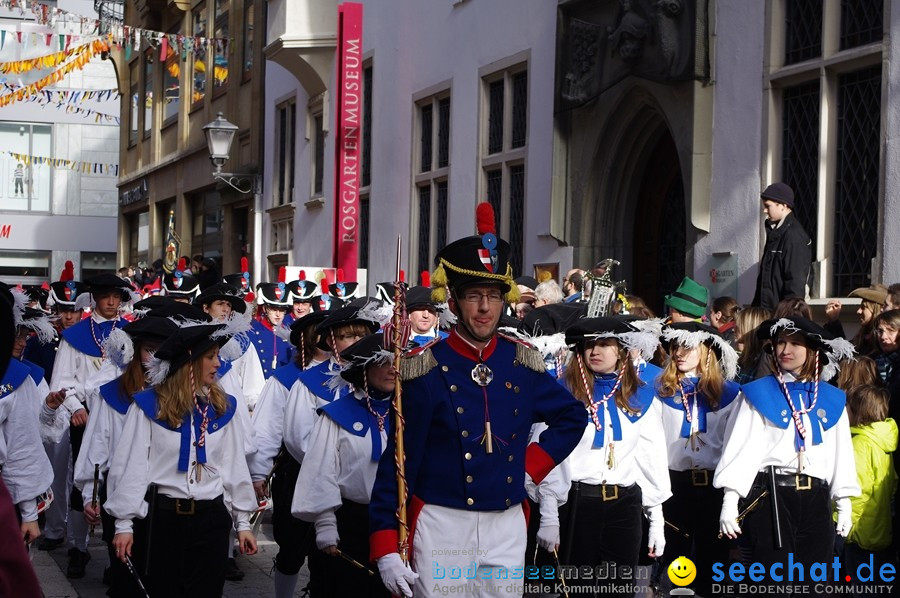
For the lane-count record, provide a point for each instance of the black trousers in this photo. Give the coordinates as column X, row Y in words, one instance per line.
column 694, row 509
column 807, row 529
column 188, row 552
column 121, row 583
column 76, row 436
column 595, row 530
column 344, row 578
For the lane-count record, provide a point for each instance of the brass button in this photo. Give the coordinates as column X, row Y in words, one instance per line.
column 509, row 385
column 515, row 362
column 508, row 502
column 453, row 388
column 470, row 501
column 513, row 437
column 510, row 458
column 460, row 410
column 465, row 433
column 509, row 480
column 445, row 368
column 515, row 389
column 515, row 412
column 468, row 457
column 469, row 479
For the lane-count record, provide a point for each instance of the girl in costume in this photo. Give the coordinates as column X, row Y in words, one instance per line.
column 789, row 434
column 619, row 466
column 181, row 465
column 335, row 483
column 697, row 396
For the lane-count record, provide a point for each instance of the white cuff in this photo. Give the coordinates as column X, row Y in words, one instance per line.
column 28, row 510
column 124, row 526
column 72, row 404
column 242, row 521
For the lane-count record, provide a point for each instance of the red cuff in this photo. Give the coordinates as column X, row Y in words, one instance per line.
column 537, row 462
column 382, row 542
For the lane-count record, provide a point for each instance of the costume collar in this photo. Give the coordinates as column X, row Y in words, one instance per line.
column 729, row 392
column 768, row 399
column 15, row 374
column 37, row 372
column 80, row 335
column 352, row 414
column 465, row 348
column 287, row 374
column 111, row 392
column 147, row 401
column 315, row 379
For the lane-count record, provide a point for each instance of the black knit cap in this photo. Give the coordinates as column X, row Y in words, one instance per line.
column 779, row 192
column 553, row 318
column 358, row 356
column 585, row 328
column 225, row 292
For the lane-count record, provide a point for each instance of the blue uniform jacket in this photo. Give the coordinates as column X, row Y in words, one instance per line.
column 42, row 354
column 270, row 346
column 446, row 459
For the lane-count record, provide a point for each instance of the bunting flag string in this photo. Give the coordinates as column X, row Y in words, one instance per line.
column 56, row 76
column 44, row 99
column 74, row 165
column 132, row 38
column 72, row 96
column 17, row 67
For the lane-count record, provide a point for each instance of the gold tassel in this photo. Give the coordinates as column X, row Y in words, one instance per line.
column 439, row 277
column 416, row 366
column 513, row 295
column 530, row 357
column 439, row 295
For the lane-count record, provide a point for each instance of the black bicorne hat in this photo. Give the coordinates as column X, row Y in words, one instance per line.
column 102, row 283
column 833, row 349
column 273, row 293
column 364, row 352
column 302, row 290
column 181, row 284
column 63, row 294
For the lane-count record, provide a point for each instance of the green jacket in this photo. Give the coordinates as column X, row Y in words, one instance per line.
column 872, row 448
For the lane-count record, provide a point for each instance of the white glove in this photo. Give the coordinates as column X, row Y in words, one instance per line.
column 398, row 578
column 548, row 537
column 728, row 524
column 657, row 535
column 326, row 533
column 844, row 516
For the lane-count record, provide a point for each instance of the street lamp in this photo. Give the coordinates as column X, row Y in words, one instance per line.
column 219, row 135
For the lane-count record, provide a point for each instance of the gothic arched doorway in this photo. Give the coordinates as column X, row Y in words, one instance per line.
column 659, row 226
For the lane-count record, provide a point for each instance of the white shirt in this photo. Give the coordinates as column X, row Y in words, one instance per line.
column 26, row 469
column 752, row 444
column 248, row 373
column 231, row 385
column 101, row 436
column 683, row 456
column 148, row 454
column 338, row 465
column 640, row 457
column 75, row 370
column 300, row 415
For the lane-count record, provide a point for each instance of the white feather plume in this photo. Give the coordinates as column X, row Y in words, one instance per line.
column 231, row 350
column 376, row 311
column 650, row 325
column 643, row 342
column 336, row 381
column 119, row 348
column 20, row 300
column 157, row 370
column 84, row 301
column 446, row 317
column 693, row 338
column 42, row 327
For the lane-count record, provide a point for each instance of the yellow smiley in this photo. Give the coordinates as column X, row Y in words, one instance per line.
column 682, row 571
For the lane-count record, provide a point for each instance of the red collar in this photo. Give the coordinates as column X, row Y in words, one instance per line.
column 265, row 322
column 462, row 346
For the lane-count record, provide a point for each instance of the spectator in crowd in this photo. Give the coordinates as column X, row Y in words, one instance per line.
column 526, row 301
column 793, row 306
column 887, row 331
column 688, row 302
column 547, row 293
column 874, row 299
column 208, row 274
column 721, row 317
column 573, row 285
column 856, row 372
column 784, row 267
column 893, row 297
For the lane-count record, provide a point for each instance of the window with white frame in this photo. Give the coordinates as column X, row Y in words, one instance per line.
column 285, row 152
column 504, row 141
column 315, row 135
column 282, row 235
column 432, row 172
column 825, row 81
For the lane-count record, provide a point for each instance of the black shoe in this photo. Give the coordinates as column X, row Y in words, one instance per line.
column 232, row 573
column 107, row 578
column 50, row 543
column 78, row 561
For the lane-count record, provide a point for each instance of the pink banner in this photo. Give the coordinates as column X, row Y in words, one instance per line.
column 348, row 139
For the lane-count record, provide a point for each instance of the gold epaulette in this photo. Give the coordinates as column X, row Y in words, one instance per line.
column 417, row 364
column 526, row 354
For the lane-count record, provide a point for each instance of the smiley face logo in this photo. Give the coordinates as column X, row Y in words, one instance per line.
column 682, row 571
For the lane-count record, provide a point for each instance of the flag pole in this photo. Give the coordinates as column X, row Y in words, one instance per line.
column 399, row 424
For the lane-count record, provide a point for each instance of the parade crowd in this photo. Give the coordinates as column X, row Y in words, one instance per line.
column 540, row 427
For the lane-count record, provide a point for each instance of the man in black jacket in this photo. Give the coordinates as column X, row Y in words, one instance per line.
column 784, row 267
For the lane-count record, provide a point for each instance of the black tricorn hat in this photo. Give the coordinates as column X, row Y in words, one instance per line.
column 481, row 258
column 692, row 334
column 222, row 291
column 343, row 316
column 834, row 349
column 144, row 306
column 588, row 329
column 183, row 346
column 150, row 329
column 358, row 356
column 313, row 318
column 553, row 318
column 102, row 283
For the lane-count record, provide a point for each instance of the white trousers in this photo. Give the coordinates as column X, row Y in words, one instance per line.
column 463, row 553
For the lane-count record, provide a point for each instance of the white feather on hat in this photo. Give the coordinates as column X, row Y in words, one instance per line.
column 337, row 382
column 446, row 317
column 20, row 301
column 376, row 311
column 643, row 342
column 693, row 338
column 157, row 370
column 119, row 348
column 838, row 348
column 237, row 324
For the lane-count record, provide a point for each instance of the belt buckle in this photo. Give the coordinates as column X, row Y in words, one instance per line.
column 608, row 497
column 700, row 477
column 190, row 511
column 803, row 486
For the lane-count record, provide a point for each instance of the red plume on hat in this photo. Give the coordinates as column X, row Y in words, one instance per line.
column 282, row 274
column 245, row 265
column 182, row 264
column 484, row 218
column 402, row 275
column 301, row 275
column 340, row 275
column 426, row 278
column 68, row 272
column 324, row 285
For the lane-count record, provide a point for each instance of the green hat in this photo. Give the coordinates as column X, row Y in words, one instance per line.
column 689, row 298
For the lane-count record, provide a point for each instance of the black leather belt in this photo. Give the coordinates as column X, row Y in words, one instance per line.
column 696, row 477
column 798, row 482
column 605, row 491
column 186, row 506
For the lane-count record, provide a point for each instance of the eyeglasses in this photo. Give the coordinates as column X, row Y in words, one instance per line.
column 474, row 297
